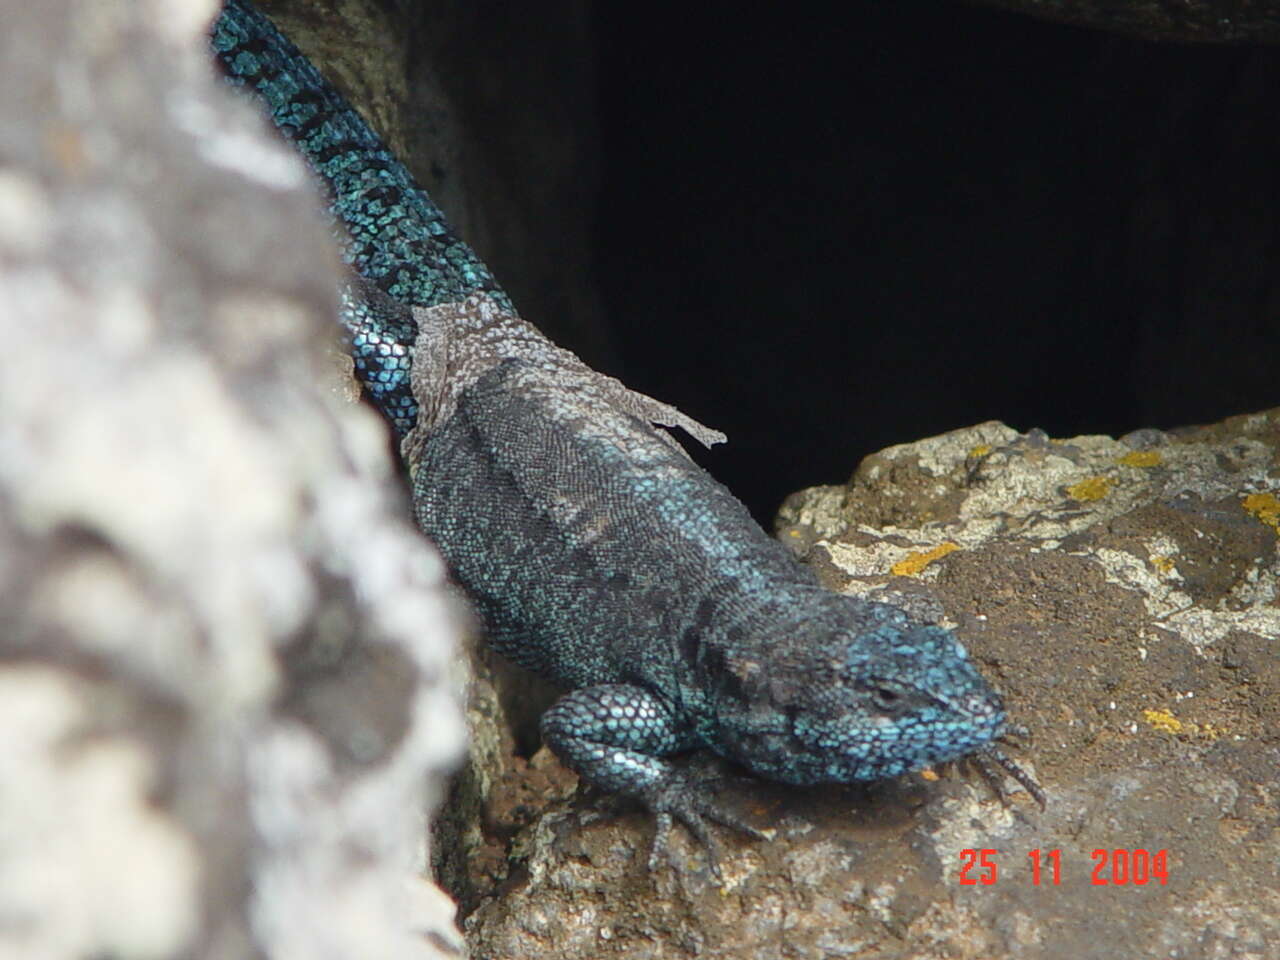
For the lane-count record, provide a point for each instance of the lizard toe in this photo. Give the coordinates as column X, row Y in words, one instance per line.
column 690, row 800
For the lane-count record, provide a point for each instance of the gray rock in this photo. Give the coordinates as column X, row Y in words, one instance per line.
column 225, row 656
column 1196, row 21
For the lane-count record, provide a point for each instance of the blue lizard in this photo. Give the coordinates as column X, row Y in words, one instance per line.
column 596, row 552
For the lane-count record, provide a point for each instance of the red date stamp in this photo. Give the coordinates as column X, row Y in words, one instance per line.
column 1118, row 867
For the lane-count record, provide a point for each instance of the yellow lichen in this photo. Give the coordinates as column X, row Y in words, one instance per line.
column 1163, row 720
column 1095, row 488
column 1141, row 458
column 1265, row 507
column 915, row 562
column 981, row 450
column 1163, row 564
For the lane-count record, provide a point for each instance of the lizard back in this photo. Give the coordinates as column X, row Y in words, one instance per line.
column 615, row 546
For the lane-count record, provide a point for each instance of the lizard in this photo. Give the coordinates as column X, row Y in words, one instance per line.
column 596, row 552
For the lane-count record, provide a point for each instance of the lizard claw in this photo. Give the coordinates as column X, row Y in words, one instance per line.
column 686, row 798
column 990, row 761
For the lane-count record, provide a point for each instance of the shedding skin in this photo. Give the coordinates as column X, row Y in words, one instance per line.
column 596, row 552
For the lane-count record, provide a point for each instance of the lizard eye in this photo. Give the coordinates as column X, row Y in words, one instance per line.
column 886, row 699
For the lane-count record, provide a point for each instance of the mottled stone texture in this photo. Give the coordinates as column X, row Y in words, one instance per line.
column 1194, row 21
column 224, row 652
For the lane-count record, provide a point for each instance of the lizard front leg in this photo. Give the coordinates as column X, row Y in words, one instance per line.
column 614, row 736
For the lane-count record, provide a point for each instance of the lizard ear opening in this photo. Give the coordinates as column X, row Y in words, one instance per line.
column 749, row 675
column 746, row 669
column 745, row 678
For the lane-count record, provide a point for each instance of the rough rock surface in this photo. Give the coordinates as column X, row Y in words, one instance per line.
column 224, row 653
column 1123, row 595
column 1203, row 21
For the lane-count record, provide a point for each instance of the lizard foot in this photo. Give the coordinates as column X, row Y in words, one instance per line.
column 617, row 738
column 689, row 798
column 991, row 761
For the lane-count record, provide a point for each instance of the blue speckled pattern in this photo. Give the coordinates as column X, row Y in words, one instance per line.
column 601, row 557
column 596, row 552
column 390, row 231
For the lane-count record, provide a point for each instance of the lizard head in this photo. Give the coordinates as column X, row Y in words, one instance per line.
column 830, row 703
